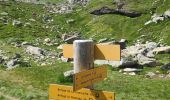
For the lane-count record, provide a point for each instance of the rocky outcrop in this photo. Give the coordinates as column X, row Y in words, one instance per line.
column 106, row 10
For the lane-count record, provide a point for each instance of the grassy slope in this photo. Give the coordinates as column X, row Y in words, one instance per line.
column 111, row 26
column 26, row 83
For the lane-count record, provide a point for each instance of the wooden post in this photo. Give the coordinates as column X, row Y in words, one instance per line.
column 83, row 55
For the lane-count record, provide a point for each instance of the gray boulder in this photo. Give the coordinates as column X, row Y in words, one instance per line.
column 162, row 50
column 131, row 70
column 1, row 60
column 12, row 63
column 35, row 50
column 150, row 75
column 166, row 67
column 69, row 73
column 167, row 14
column 17, row 23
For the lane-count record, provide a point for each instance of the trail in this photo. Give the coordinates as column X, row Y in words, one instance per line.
column 7, row 97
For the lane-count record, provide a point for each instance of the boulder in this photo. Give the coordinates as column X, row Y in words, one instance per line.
column 166, row 67
column 69, row 73
column 1, row 59
column 162, row 50
column 167, row 76
column 145, row 61
column 26, row 43
column 35, row 50
column 12, row 63
column 4, row 13
column 167, row 14
column 150, row 75
column 103, row 40
column 17, row 23
column 131, row 70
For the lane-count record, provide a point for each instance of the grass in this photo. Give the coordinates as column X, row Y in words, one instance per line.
column 31, row 83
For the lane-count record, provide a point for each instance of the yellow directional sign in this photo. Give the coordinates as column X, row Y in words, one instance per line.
column 61, row 92
column 101, row 52
column 89, row 77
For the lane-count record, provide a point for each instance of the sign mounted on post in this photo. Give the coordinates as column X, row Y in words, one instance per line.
column 89, row 77
column 61, row 92
column 101, row 52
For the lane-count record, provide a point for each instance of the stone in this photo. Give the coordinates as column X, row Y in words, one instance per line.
column 1, row 59
column 17, row 55
column 26, row 44
column 35, row 50
column 71, row 39
column 70, row 21
column 162, row 50
column 167, row 76
column 166, row 67
column 12, row 63
column 145, row 61
column 132, row 73
column 123, row 43
column 150, row 75
column 17, row 23
column 64, row 59
column 103, row 40
column 151, row 45
column 4, row 14
column 127, row 64
column 131, row 70
column 69, row 73
column 167, row 14
column 60, row 47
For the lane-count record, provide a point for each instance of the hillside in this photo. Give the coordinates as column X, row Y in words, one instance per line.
column 32, row 32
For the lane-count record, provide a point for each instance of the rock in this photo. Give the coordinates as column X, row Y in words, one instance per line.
column 4, row 14
column 123, row 43
column 131, row 70
column 60, row 47
column 167, row 76
column 70, row 40
column 17, row 44
column 145, row 61
column 1, row 59
column 103, row 40
column 151, row 45
column 167, row 14
column 81, row 2
column 26, row 44
column 132, row 73
column 27, row 24
column 162, row 50
column 127, row 64
column 33, row 20
column 17, row 55
column 70, row 21
column 17, row 23
column 150, row 75
column 166, row 67
column 46, row 41
column 59, row 8
column 65, row 59
column 35, row 51
column 12, row 63
column 69, row 73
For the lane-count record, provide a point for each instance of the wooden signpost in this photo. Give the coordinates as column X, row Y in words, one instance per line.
column 101, row 52
column 84, row 53
column 89, row 77
column 61, row 92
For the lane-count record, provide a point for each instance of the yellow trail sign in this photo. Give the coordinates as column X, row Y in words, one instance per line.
column 61, row 92
column 88, row 77
column 101, row 52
